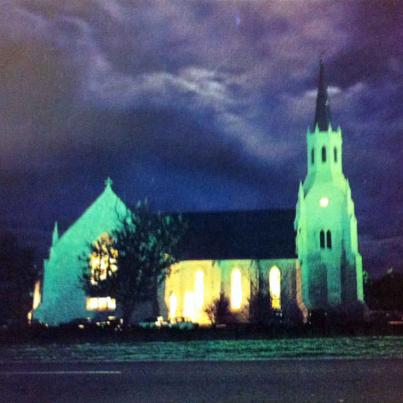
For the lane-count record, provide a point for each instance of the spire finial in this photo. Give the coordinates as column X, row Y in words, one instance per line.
column 322, row 113
column 108, row 182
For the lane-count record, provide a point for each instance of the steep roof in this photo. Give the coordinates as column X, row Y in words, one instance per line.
column 258, row 234
column 249, row 234
column 101, row 216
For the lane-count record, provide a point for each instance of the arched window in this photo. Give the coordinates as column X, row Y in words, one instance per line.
column 103, row 259
column 275, row 287
column 189, row 306
column 236, row 289
column 329, row 239
column 323, row 154
column 103, row 264
column 335, row 154
column 322, row 239
column 312, row 156
column 199, row 289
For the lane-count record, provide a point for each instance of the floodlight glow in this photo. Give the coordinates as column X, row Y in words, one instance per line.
column 236, row 289
column 324, row 202
column 101, row 304
column 37, row 295
column 173, row 305
column 199, row 289
column 189, row 306
column 275, row 287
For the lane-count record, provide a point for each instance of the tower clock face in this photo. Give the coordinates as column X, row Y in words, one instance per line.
column 324, row 202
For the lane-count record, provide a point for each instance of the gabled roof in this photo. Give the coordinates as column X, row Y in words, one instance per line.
column 101, row 216
column 250, row 234
column 259, row 234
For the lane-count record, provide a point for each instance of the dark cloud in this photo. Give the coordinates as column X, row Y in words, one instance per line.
column 196, row 105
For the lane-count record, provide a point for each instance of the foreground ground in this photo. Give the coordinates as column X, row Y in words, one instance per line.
column 285, row 380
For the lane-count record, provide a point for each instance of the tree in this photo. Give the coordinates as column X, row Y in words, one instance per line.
column 218, row 310
column 18, row 275
column 132, row 262
column 386, row 292
column 259, row 306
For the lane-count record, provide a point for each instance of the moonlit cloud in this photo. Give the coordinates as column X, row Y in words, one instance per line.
column 196, row 105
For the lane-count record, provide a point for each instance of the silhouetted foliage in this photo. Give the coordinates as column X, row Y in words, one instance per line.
column 143, row 248
column 17, row 273
column 218, row 310
column 386, row 292
column 259, row 306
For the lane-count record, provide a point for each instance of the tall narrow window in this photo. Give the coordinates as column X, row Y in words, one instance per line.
column 275, row 287
column 323, row 154
column 236, row 289
column 335, row 154
column 189, row 306
column 103, row 259
column 329, row 239
column 199, row 289
column 36, row 300
column 312, row 156
column 173, row 305
column 103, row 264
column 322, row 239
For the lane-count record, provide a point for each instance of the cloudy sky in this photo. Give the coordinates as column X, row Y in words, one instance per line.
column 197, row 105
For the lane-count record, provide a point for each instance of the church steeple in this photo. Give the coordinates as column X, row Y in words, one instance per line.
column 322, row 112
column 326, row 226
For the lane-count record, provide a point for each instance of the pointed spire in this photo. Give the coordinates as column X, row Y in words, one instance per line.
column 322, row 114
column 55, row 234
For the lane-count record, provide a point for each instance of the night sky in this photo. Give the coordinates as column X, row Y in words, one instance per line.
column 196, row 105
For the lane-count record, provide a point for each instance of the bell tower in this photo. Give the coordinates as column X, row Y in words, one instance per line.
column 325, row 223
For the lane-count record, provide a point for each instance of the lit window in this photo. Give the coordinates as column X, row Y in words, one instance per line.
column 173, row 305
column 37, row 295
column 322, row 239
column 189, row 306
column 199, row 289
column 324, row 202
column 36, row 300
column 323, row 154
column 103, row 259
column 329, row 239
column 236, row 289
column 101, row 304
column 275, row 287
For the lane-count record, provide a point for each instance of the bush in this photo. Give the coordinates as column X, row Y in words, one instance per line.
column 218, row 311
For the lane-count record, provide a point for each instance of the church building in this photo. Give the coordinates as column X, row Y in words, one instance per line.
column 297, row 260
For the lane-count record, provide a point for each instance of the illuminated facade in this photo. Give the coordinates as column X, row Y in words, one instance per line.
column 239, row 280
column 326, row 226
column 292, row 260
column 63, row 298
